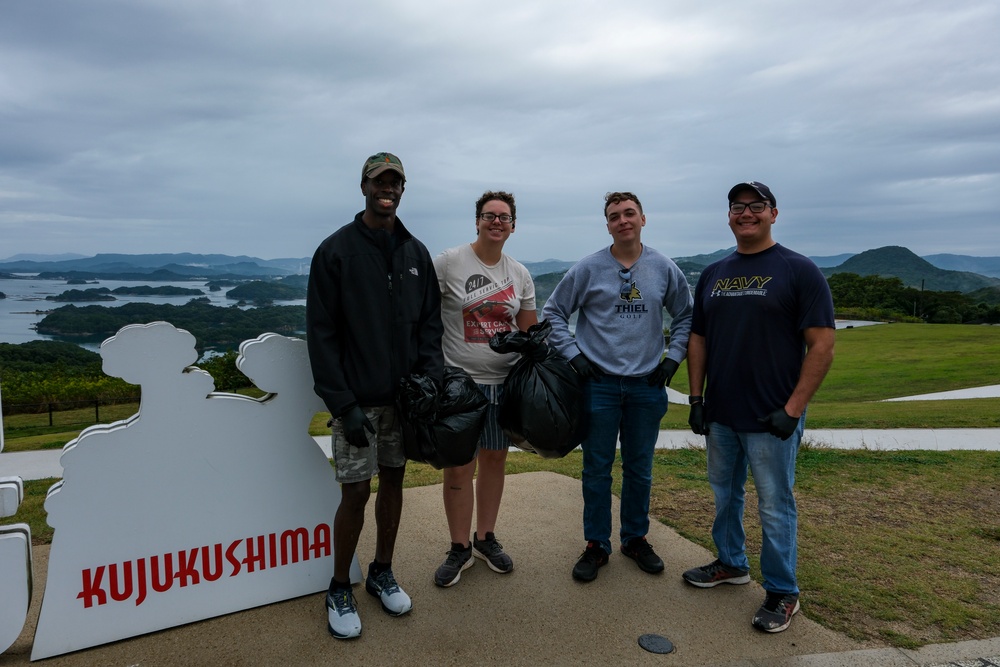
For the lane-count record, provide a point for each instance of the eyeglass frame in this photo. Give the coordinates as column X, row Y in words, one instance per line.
column 749, row 205
column 626, row 288
column 496, row 216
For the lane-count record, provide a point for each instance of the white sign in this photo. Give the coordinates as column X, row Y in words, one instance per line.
column 15, row 563
column 201, row 504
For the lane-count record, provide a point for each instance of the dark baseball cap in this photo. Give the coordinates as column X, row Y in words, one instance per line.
column 756, row 186
column 381, row 162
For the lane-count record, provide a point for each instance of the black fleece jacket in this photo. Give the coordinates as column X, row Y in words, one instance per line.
column 373, row 315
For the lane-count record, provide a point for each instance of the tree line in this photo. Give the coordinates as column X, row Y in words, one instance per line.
column 887, row 298
column 40, row 372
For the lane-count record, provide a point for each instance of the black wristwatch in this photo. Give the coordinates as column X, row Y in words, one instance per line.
column 695, row 399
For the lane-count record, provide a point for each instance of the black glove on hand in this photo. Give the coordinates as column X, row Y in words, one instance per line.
column 696, row 418
column 780, row 423
column 355, row 423
column 663, row 373
column 588, row 371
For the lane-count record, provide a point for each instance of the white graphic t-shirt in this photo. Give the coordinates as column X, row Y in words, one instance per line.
column 478, row 301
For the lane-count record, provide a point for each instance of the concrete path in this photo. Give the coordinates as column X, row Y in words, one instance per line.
column 45, row 464
column 537, row 615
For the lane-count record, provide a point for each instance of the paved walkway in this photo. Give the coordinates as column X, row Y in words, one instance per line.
column 45, row 464
column 535, row 615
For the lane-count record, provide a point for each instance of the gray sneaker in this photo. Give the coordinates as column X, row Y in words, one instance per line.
column 715, row 573
column 492, row 552
column 775, row 615
column 451, row 569
column 395, row 601
column 343, row 621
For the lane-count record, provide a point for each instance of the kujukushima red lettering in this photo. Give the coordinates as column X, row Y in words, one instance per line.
column 207, row 570
column 259, row 553
column 232, row 558
column 254, row 560
column 187, row 567
column 92, row 587
column 125, row 591
column 162, row 584
column 290, row 542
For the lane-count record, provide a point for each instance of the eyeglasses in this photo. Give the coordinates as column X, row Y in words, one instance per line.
column 626, row 275
column 490, row 217
column 755, row 207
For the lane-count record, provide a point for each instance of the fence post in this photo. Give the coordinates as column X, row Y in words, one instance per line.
column 50, row 414
column 97, row 411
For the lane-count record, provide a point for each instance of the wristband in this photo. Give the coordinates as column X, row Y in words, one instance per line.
column 695, row 399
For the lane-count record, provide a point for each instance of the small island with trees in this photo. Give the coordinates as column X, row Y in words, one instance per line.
column 105, row 294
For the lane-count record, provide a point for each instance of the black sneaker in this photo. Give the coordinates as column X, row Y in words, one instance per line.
column 641, row 551
column 451, row 569
column 716, row 573
column 776, row 613
column 592, row 559
column 492, row 552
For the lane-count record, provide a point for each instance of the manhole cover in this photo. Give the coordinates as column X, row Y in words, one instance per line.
column 656, row 644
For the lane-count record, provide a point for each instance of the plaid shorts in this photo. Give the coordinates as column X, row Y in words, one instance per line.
column 493, row 437
column 385, row 448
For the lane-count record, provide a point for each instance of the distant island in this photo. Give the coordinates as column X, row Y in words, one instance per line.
column 162, row 290
column 214, row 327
column 105, row 294
column 83, row 295
column 259, row 291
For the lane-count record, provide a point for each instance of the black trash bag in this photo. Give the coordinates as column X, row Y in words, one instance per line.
column 441, row 426
column 542, row 408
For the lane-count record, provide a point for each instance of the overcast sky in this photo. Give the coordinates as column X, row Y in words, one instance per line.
column 240, row 127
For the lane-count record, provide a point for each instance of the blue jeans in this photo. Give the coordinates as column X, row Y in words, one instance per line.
column 629, row 409
column 772, row 462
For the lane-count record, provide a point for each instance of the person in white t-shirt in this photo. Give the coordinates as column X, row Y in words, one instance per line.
column 483, row 292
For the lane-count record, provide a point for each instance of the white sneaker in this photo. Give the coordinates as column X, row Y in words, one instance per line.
column 343, row 621
column 395, row 602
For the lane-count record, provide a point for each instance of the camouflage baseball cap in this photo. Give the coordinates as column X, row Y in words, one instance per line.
column 379, row 163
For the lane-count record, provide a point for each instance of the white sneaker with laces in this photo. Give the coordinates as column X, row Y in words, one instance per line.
column 343, row 621
column 395, row 601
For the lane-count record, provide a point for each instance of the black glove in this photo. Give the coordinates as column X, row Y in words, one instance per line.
column 584, row 368
column 663, row 373
column 355, row 423
column 781, row 424
column 696, row 418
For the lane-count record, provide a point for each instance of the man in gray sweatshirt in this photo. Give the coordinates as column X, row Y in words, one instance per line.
column 620, row 293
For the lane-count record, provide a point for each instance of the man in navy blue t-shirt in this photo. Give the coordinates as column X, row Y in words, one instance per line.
column 762, row 335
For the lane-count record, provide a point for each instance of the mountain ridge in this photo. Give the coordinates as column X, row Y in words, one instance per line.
column 943, row 272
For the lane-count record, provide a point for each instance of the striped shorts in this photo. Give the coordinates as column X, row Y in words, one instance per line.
column 493, row 437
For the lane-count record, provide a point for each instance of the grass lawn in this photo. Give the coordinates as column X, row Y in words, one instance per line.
column 900, row 548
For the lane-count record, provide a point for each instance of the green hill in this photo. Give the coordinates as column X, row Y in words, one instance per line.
column 988, row 295
column 544, row 284
column 899, row 262
column 259, row 290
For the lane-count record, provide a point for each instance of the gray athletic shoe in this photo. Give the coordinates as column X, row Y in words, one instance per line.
column 715, row 573
column 451, row 569
column 394, row 601
column 492, row 552
column 343, row 621
column 775, row 615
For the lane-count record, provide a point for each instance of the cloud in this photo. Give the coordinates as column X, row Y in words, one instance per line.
column 240, row 127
